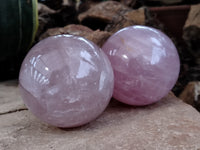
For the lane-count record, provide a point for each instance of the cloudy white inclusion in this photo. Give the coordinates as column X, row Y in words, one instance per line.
column 157, row 54
column 85, row 65
column 158, row 51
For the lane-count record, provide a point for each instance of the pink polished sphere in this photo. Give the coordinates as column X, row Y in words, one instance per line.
column 66, row 81
column 145, row 62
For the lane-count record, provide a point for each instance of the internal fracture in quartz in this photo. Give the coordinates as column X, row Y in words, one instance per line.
column 66, row 81
column 145, row 63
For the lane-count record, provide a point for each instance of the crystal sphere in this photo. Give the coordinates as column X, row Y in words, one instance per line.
column 66, row 81
column 145, row 62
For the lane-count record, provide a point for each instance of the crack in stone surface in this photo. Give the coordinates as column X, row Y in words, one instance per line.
column 13, row 111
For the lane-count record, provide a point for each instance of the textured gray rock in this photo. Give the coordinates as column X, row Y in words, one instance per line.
column 167, row 125
column 10, row 99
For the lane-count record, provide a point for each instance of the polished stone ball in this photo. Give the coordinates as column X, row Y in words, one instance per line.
column 145, row 62
column 66, row 81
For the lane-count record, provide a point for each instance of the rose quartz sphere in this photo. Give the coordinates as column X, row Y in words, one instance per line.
column 66, row 81
column 145, row 63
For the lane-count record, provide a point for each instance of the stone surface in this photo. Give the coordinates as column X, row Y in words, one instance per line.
column 193, row 16
column 43, row 9
column 73, row 29
column 168, row 124
column 8, row 104
column 145, row 63
column 130, row 3
column 61, row 76
column 50, row 18
column 101, row 14
column 98, row 37
column 191, row 94
column 104, row 11
column 127, row 18
column 44, row 18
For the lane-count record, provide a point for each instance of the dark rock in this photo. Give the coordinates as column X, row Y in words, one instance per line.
column 49, row 18
column 44, row 13
column 162, row 2
column 191, row 32
column 68, row 2
column 125, row 19
column 70, row 29
column 98, row 16
column 98, row 37
column 129, row 3
column 53, row 4
column 191, row 94
column 43, row 9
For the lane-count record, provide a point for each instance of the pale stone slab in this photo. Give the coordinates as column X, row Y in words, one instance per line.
column 167, row 125
column 10, row 99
